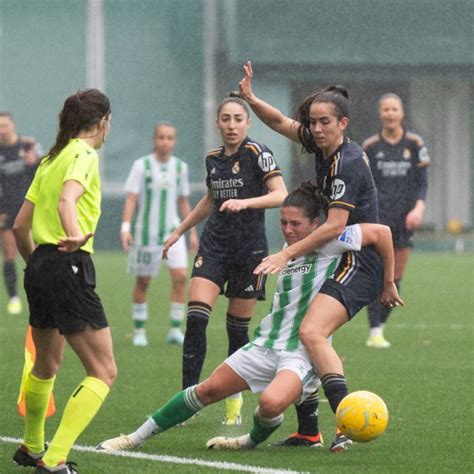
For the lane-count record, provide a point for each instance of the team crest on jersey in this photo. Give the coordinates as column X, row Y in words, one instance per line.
column 380, row 155
column 406, row 154
column 236, row 167
column 338, row 188
column 199, row 261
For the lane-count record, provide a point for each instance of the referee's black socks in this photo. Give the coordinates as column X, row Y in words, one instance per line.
column 335, row 389
column 195, row 344
column 237, row 332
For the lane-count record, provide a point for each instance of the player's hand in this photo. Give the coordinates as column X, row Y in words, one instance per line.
column 233, row 205
column 193, row 242
column 71, row 244
column 126, row 240
column 30, row 157
column 245, row 85
column 171, row 240
column 390, row 296
column 273, row 264
column 413, row 219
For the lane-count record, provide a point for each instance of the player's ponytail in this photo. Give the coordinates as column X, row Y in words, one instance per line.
column 81, row 111
column 308, row 198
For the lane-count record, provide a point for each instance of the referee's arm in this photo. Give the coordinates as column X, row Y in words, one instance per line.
column 67, row 207
column 22, row 230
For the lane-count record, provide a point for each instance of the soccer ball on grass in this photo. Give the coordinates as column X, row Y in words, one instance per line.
column 362, row 416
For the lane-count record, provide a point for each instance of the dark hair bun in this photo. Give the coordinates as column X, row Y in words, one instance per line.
column 234, row 94
column 338, row 89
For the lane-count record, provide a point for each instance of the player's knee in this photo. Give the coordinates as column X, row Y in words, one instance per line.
column 309, row 336
column 47, row 368
column 109, row 374
column 142, row 284
column 179, row 284
column 270, row 405
column 207, row 392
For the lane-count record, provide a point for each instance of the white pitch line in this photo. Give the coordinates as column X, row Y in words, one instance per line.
column 228, row 466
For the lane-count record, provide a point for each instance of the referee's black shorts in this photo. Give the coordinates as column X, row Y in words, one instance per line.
column 357, row 281
column 60, row 291
column 239, row 276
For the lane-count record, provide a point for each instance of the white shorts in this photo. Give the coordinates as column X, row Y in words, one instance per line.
column 146, row 260
column 258, row 366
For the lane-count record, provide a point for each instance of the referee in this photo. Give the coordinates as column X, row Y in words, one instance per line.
column 59, row 215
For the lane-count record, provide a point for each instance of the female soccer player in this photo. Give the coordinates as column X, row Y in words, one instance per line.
column 59, row 215
column 344, row 176
column 19, row 157
column 243, row 180
column 398, row 160
column 275, row 362
column 159, row 184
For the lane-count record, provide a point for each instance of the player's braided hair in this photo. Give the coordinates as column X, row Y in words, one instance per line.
column 81, row 111
column 307, row 197
column 333, row 94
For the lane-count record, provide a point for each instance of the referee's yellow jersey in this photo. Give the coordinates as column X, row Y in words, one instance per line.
column 79, row 162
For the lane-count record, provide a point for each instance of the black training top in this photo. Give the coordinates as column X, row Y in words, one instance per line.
column 237, row 237
column 400, row 174
column 15, row 174
column 345, row 179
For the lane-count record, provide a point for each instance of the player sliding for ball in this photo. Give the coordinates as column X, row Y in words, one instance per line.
column 275, row 362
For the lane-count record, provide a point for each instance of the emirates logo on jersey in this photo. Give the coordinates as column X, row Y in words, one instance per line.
column 236, row 167
column 406, row 154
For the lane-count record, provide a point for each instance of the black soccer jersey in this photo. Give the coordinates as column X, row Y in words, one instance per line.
column 345, row 179
column 15, row 174
column 400, row 174
column 237, row 237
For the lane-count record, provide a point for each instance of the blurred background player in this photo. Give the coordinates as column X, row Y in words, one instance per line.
column 19, row 157
column 158, row 183
column 399, row 161
column 275, row 363
column 242, row 181
column 53, row 231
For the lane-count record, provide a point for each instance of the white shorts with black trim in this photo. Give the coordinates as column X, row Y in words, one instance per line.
column 146, row 260
column 258, row 366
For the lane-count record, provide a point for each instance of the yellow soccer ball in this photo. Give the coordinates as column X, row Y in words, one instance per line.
column 362, row 416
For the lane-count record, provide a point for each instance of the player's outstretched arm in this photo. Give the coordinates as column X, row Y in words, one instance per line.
column 185, row 209
column 202, row 210
column 268, row 114
column 332, row 228
column 22, row 230
column 381, row 237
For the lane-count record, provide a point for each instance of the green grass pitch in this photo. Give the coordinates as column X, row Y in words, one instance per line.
column 426, row 379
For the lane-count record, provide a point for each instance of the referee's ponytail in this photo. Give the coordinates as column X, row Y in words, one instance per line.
column 81, row 111
column 308, row 198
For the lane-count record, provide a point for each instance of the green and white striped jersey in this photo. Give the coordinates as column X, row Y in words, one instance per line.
column 297, row 285
column 158, row 186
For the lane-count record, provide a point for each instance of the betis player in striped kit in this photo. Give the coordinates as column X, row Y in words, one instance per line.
column 156, row 187
column 275, row 362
